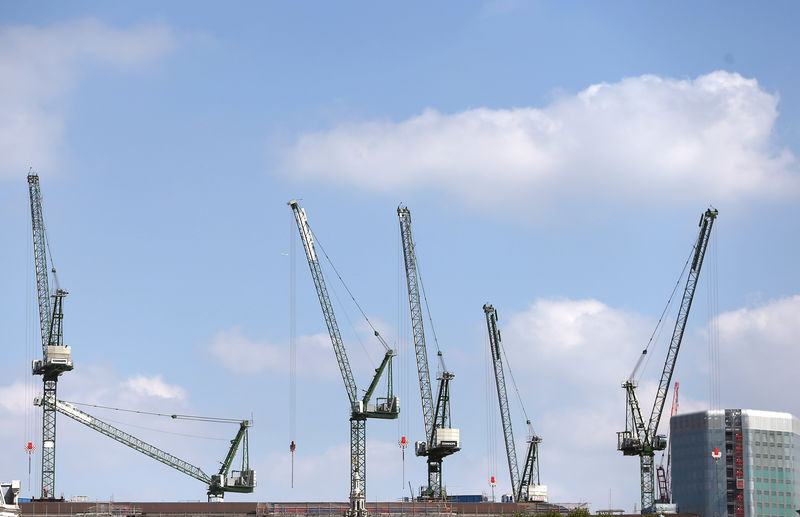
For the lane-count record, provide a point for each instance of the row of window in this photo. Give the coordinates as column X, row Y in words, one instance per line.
column 775, row 498
column 784, row 511
column 773, row 473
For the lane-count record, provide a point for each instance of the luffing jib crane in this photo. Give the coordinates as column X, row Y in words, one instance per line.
column 441, row 440
column 522, row 486
column 360, row 409
column 640, row 438
column 242, row 481
column 56, row 357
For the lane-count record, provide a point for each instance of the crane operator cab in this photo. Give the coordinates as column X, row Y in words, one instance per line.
column 385, row 407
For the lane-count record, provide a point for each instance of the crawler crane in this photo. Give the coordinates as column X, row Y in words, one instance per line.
column 56, row 357
column 441, row 440
column 640, row 438
column 525, row 488
column 360, row 409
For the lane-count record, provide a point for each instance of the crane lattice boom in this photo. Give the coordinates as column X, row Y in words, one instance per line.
column 520, row 485
column 360, row 410
column 440, row 439
column 217, row 484
column 640, row 437
column 56, row 358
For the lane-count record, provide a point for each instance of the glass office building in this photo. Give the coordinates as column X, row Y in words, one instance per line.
column 756, row 472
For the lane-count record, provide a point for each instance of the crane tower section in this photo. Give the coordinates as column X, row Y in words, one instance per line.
column 56, row 357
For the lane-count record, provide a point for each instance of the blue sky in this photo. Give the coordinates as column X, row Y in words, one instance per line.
column 555, row 158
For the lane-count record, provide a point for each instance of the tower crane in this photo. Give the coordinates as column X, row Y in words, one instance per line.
column 242, row 481
column 56, row 357
column 640, row 438
column 522, row 487
column 441, row 440
column 360, row 409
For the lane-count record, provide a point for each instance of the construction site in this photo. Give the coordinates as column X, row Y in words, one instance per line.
column 640, row 438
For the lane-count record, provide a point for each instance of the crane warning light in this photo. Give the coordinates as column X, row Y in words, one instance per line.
column 716, row 454
column 492, row 481
column 403, row 442
column 30, row 447
column 291, row 446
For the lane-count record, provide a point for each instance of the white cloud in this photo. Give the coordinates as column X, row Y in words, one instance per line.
column 40, row 65
column 768, row 332
column 15, row 399
column 315, row 357
column 239, row 353
column 640, row 138
column 154, row 387
column 584, row 340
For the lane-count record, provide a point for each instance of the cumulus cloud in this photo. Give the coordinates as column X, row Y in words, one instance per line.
column 643, row 137
column 40, row 65
column 585, row 339
column 769, row 332
column 154, row 387
column 240, row 353
column 15, row 399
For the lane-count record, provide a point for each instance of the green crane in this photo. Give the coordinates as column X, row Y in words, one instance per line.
column 225, row 480
column 360, row 408
column 640, row 438
column 56, row 357
column 522, row 487
column 441, row 440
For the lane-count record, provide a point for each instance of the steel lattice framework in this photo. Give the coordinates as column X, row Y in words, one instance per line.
column 55, row 356
column 642, row 439
column 217, row 485
column 409, row 255
column 435, row 417
column 360, row 410
column 520, row 484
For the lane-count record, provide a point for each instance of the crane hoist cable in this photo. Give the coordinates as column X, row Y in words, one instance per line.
column 427, row 305
column 514, row 382
column 292, row 344
column 171, row 415
column 364, row 314
column 660, row 324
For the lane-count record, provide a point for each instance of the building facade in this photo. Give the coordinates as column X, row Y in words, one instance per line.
column 755, row 472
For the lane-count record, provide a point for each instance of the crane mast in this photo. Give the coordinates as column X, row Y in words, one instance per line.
column 440, row 439
column 665, row 475
column 520, row 485
column 56, row 358
column 360, row 409
column 640, row 438
column 217, row 484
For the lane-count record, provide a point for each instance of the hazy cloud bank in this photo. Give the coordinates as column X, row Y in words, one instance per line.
column 40, row 65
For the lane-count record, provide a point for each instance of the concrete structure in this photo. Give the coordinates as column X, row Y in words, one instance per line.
column 757, row 470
